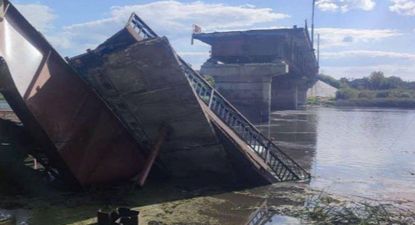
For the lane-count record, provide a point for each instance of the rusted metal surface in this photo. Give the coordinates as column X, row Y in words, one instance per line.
column 155, row 150
column 81, row 139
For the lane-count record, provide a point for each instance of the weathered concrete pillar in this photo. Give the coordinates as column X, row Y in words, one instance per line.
column 246, row 86
column 302, row 89
column 288, row 92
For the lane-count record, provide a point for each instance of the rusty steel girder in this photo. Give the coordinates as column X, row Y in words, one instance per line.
column 82, row 140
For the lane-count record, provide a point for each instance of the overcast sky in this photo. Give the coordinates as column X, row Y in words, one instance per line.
column 357, row 36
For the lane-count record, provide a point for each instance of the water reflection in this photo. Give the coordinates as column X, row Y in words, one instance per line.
column 17, row 216
column 295, row 132
column 364, row 152
column 265, row 216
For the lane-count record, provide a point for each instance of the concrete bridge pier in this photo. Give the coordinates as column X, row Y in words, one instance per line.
column 247, row 86
column 288, row 93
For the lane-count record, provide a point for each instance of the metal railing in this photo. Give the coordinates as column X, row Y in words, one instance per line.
column 283, row 167
column 140, row 27
column 261, row 216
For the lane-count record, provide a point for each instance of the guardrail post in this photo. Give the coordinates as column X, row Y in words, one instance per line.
column 267, row 155
column 212, row 93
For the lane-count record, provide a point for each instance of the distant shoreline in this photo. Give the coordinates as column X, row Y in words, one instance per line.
column 379, row 103
column 373, row 103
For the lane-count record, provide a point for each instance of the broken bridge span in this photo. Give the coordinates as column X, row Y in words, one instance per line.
column 132, row 102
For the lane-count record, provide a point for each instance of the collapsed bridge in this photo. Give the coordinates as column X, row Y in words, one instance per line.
column 261, row 70
column 132, row 103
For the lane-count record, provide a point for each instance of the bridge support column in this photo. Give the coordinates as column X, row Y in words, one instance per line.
column 246, row 86
column 288, row 92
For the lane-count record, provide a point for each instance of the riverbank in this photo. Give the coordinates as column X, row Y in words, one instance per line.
column 172, row 204
column 375, row 102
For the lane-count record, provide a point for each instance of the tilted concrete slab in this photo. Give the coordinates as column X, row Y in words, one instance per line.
column 146, row 79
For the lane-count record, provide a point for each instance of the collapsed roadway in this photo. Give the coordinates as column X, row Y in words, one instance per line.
column 113, row 113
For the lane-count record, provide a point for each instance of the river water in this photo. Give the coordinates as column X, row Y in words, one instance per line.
column 363, row 153
column 368, row 153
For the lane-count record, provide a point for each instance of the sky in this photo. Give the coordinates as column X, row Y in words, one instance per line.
column 357, row 36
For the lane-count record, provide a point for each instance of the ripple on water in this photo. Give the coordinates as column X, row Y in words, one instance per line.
column 360, row 152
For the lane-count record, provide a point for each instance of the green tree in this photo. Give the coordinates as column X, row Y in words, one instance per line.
column 394, row 82
column 344, row 82
column 346, row 93
column 377, row 80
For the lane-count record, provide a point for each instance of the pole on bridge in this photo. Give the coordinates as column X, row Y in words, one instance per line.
column 312, row 23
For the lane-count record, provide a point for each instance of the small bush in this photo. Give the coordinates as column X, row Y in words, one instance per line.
column 346, row 93
column 313, row 101
column 366, row 94
column 210, row 80
column 382, row 94
column 399, row 93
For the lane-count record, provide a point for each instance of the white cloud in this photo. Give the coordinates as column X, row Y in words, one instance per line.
column 333, row 37
column 178, row 15
column 358, row 63
column 170, row 18
column 403, row 7
column 327, row 5
column 40, row 16
column 345, row 5
column 368, row 53
column 405, row 72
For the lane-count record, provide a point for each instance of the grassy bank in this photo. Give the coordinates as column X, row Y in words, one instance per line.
column 376, row 90
column 393, row 98
column 378, row 102
column 347, row 97
column 359, row 102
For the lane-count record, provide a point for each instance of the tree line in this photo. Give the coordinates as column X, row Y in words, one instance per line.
column 376, row 85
